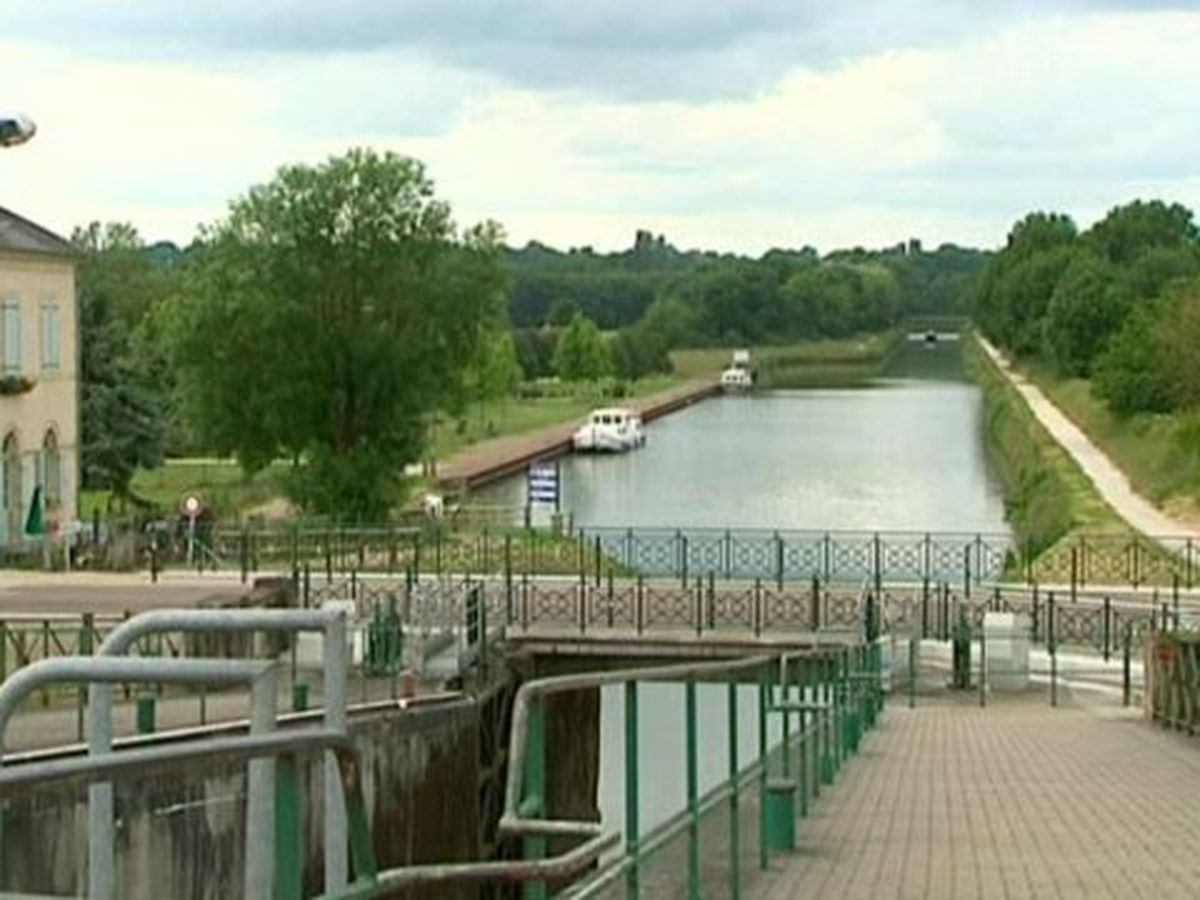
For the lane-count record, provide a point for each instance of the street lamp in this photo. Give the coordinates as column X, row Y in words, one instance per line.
column 15, row 129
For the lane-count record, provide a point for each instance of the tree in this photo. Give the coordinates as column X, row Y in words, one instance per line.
column 1131, row 375
column 324, row 318
column 1085, row 309
column 123, row 409
column 1129, row 231
column 582, row 354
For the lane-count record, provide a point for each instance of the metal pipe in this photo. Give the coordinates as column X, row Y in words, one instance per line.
column 260, row 795
column 101, row 864
column 15, row 779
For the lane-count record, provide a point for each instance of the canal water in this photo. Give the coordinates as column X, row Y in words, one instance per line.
column 901, row 452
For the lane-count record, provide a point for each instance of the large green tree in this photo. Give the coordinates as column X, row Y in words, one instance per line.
column 325, row 317
column 124, row 410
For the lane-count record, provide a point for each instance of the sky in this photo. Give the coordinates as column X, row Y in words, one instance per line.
column 735, row 126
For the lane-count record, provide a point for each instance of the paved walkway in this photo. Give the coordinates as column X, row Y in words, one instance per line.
column 1015, row 800
column 1110, row 481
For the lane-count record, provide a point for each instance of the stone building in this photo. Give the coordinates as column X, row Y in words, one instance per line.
column 39, row 382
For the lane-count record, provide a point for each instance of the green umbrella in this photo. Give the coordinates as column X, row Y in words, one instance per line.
column 35, row 523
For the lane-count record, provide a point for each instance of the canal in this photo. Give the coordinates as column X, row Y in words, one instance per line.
column 902, row 452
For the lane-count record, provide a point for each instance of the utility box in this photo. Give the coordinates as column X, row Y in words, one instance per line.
column 1007, row 637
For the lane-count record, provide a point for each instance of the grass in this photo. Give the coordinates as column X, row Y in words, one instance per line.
column 220, row 483
column 799, row 364
column 1048, row 497
column 1160, row 453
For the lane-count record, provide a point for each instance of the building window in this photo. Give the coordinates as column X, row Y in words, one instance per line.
column 12, row 337
column 51, row 471
column 50, row 336
column 10, row 455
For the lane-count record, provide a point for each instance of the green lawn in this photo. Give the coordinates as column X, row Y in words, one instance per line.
column 518, row 416
column 1160, row 453
column 221, row 485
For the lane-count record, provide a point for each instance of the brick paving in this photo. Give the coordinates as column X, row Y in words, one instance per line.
column 1015, row 800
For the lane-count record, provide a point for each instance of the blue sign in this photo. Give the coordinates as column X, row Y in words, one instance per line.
column 543, row 482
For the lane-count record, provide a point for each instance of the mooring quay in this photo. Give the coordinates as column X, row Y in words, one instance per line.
column 499, row 458
column 444, row 733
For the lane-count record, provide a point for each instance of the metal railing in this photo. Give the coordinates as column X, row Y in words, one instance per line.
column 969, row 559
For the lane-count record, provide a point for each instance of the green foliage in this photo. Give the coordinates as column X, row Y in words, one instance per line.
column 582, row 353
column 1086, row 307
column 1130, row 375
column 1110, row 302
column 124, row 413
column 325, row 317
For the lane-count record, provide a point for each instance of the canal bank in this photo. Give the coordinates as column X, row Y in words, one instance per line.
column 493, row 460
column 1048, row 497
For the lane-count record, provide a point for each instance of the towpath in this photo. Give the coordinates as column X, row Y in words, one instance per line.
column 488, row 460
column 1110, row 481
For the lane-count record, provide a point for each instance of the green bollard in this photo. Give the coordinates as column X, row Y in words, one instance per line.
column 781, row 814
column 145, row 713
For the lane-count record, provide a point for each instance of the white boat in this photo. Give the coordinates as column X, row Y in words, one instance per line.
column 735, row 380
column 611, row 430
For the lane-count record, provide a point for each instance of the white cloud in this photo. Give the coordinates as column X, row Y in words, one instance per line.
column 949, row 142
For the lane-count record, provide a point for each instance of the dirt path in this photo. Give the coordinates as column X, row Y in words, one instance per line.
column 1109, row 480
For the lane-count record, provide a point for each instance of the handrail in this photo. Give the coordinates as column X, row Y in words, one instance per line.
column 510, row 820
column 330, row 622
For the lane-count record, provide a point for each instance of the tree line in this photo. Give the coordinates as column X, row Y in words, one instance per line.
column 1118, row 303
column 338, row 309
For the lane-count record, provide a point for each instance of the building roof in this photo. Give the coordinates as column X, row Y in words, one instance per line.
column 19, row 235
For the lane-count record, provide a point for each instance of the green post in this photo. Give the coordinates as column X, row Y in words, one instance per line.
column 631, row 788
column 763, row 856
column 829, row 727
column 693, row 792
column 1052, row 646
column 982, row 667
column 735, row 832
column 785, row 694
column 534, row 801
column 289, row 835
column 145, row 713
column 802, row 767
column 912, row 673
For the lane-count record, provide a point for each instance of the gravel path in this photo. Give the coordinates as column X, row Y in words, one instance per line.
column 1110, row 481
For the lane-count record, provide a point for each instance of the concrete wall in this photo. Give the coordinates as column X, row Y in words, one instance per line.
column 180, row 834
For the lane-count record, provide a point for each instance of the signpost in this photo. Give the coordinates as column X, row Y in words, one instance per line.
column 192, row 507
column 542, row 486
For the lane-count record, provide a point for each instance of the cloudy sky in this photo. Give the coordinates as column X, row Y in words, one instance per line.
column 727, row 125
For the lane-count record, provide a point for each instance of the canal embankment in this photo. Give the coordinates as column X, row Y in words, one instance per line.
column 492, row 460
column 1048, row 497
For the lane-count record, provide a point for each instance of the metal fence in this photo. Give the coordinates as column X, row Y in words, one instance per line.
column 966, row 559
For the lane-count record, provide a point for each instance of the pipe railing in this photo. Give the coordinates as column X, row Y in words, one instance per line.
column 332, row 625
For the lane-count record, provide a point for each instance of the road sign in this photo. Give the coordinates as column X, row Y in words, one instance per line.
column 543, row 483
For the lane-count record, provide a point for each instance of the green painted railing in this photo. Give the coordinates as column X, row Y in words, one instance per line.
column 964, row 558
